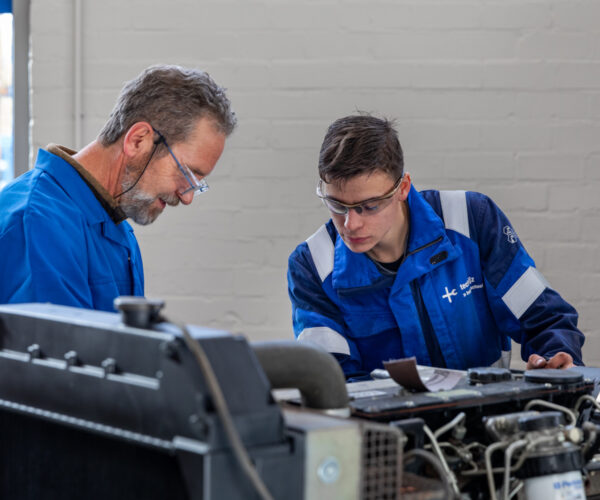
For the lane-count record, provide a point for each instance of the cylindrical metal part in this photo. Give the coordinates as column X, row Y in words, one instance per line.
column 139, row 312
column 313, row 371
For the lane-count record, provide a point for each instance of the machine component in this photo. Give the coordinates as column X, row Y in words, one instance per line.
column 488, row 375
column 348, row 458
column 382, row 462
column 462, row 444
column 566, row 378
column 390, row 403
column 483, row 452
column 139, row 312
column 539, row 422
column 313, row 371
column 93, row 407
column 543, row 457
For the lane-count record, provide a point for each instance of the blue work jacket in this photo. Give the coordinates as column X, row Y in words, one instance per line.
column 465, row 287
column 59, row 245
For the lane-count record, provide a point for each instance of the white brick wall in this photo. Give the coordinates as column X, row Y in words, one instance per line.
column 500, row 96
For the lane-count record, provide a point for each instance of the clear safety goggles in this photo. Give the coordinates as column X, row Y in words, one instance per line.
column 365, row 207
column 196, row 184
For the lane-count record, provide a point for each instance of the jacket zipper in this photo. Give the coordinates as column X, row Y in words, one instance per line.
column 427, row 245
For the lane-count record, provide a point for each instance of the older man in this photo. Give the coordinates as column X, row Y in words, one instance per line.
column 439, row 275
column 63, row 234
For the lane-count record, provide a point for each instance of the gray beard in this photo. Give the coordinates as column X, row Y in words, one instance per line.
column 137, row 204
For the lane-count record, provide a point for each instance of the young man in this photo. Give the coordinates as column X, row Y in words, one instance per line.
column 63, row 234
column 439, row 275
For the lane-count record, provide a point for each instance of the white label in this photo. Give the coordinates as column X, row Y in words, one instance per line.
column 565, row 486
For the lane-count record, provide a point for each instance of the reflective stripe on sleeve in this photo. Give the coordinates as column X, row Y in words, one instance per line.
column 525, row 291
column 328, row 339
column 454, row 208
column 322, row 251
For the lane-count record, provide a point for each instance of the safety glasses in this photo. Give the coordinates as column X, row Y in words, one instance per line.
column 196, row 185
column 366, row 207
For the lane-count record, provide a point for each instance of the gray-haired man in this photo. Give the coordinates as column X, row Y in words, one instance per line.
column 63, row 234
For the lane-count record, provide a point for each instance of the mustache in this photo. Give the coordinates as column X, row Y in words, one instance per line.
column 170, row 200
column 138, row 196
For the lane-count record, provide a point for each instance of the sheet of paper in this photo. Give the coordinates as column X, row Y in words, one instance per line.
column 420, row 378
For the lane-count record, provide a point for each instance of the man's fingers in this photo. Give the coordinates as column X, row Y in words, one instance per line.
column 560, row 360
column 536, row 361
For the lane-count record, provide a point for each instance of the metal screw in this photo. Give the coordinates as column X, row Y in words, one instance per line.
column 71, row 358
column 199, row 426
column 329, row 470
column 34, row 351
column 169, row 349
column 109, row 365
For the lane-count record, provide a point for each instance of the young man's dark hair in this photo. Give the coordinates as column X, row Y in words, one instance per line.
column 360, row 144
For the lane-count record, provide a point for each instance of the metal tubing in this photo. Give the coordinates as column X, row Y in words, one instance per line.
column 311, row 370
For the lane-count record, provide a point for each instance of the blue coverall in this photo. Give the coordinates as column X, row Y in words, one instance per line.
column 58, row 244
column 466, row 285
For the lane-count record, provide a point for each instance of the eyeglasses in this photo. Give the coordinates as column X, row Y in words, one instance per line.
column 366, row 207
column 196, row 185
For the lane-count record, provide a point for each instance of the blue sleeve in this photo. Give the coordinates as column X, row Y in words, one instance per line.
column 313, row 309
column 44, row 260
column 545, row 322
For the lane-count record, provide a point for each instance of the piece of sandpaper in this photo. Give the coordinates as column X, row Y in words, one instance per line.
column 422, row 379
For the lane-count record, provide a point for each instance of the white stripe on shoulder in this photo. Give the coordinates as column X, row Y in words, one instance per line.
column 454, row 208
column 325, row 337
column 525, row 291
column 322, row 251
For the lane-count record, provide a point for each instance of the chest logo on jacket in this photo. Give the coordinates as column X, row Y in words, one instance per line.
column 449, row 294
column 465, row 289
column 468, row 286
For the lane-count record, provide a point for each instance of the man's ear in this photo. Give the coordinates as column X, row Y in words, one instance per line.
column 138, row 140
column 405, row 186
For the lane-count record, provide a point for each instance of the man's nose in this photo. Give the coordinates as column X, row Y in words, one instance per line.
column 353, row 220
column 186, row 198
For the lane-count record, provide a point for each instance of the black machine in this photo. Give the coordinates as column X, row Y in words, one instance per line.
column 100, row 405
column 540, row 426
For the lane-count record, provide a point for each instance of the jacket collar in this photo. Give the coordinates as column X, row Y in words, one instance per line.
column 108, row 202
column 78, row 190
column 427, row 242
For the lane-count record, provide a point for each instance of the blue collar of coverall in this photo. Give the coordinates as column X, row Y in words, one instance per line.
column 427, row 238
column 82, row 196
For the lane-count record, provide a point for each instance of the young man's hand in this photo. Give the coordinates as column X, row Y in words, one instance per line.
column 560, row 360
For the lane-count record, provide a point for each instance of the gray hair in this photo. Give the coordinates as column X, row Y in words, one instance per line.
column 172, row 99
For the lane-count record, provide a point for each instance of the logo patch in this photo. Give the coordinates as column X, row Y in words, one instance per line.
column 465, row 289
column 449, row 294
column 511, row 236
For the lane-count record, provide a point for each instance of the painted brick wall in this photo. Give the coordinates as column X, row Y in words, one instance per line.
column 500, row 96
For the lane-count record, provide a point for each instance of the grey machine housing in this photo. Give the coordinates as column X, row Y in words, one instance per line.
column 93, row 408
